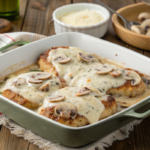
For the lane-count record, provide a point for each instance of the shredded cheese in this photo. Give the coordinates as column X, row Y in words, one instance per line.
column 82, row 18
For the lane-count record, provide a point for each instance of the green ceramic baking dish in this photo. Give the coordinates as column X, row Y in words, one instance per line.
column 56, row 132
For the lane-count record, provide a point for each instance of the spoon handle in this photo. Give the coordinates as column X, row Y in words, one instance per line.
column 13, row 44
column 124, row 20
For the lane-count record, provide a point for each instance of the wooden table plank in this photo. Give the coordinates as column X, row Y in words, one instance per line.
column 138, row 139
column 33, row 147
column 17, row 24
column 9, row 141
column 38, row 21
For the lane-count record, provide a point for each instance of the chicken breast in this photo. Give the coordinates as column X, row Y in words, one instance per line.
column 121, row 85
column 128, row 90
column 19, row 99
column 30, row 89
column 79, row 121
column 88, row 108
column 110, row 107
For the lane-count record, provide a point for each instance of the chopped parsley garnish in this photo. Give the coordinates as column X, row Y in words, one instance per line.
column 36, row 70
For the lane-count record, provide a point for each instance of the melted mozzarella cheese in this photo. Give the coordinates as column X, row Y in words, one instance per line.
column 30, row 91
column 79, row 73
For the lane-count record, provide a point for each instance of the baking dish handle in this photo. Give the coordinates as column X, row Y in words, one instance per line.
column 134, row 114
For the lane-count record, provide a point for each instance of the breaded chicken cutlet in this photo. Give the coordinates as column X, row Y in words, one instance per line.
column 76, row 106
column 30, row 89
column 81, row 68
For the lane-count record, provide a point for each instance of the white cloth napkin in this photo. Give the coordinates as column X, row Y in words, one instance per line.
column 8, row 38
column 39, row 141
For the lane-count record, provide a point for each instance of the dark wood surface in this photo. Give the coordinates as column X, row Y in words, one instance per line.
column 38, row 21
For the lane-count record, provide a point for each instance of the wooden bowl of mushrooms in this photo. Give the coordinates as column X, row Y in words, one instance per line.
column 138, row 36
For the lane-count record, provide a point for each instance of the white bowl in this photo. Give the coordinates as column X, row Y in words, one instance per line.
column 97, row 30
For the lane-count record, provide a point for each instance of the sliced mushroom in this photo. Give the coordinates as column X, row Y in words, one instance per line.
column 104, row 69
column 138, row 72
column 144, row 16
column 45, row 87
column 62, row 59
column 137, row 29
column 115, row 73
column 34, row 80
column 133, row 76
column 56, row 98
column 146, row 80
column 66, row 110
column 83, row 91
column 94, row 91
column 41, row 76
column 146, row 25
column 85, row 57
column 19, row 82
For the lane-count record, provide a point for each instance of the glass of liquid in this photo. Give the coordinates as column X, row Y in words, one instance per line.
column 9, row 9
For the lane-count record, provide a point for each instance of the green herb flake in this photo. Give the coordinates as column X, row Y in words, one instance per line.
column 2, row 82
column 36, row 70
column 6, row 78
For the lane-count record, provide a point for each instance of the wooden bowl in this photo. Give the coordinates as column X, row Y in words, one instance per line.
column 131, row 13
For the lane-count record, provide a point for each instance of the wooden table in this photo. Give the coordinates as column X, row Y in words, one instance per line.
column 37, row 21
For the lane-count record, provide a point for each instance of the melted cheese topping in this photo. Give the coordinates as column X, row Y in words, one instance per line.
column 79, row 73
column 4, row 79
column 30, row 91
column 82, row 18
column 87, row 105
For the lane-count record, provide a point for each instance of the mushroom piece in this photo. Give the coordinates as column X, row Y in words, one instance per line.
column 83, row 91
column 148, row 33
column 94, row 91
column 133, row 76
column 34, row 80
column 56, row 98
column 144, row 16
column 41, row 76
column 85, row 57
column 115, row 73
column 146, row 25
column 146, row 80
column 45, row 87
column 20, row 81
column 66, row 110
column 62, row 59
column 104, row 69
column 137, row 29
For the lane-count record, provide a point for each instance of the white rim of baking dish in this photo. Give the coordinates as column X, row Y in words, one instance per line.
column 105, row 18
column 113, row 46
